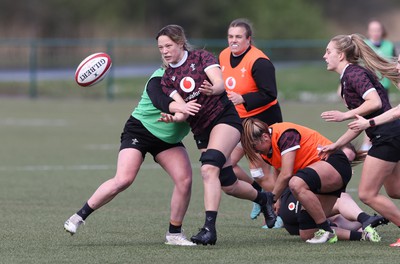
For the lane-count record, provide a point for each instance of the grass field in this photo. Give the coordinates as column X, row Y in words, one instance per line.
column 55, row 153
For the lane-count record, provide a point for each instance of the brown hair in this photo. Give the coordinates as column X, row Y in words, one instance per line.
column 253, row 129
column 244, row 23
column 384, row 32
column 176, row 34
column 359, row 154
column 358, row 52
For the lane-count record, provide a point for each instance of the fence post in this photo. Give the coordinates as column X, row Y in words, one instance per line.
column 33, row 69
column 110, row 77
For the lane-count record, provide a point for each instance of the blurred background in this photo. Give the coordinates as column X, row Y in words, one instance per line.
column 42, row 41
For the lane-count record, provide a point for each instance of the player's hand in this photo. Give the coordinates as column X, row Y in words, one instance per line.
column 166, row 118
column 359, row 124
column 189, row 108
column 325, row 151
column 192, row 107
column 333, row 116
column 206, row 88
column 235, row 98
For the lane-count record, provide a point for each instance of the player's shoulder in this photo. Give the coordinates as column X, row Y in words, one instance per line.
column 354, row 71
column 201, row 53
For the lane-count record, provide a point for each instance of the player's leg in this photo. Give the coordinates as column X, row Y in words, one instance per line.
column 236, row 156
column 320, row 177
column 374, row 174
column 350, row 210
column 213, row 159
column 129, row 161
column 175, row 161
column 256, row 173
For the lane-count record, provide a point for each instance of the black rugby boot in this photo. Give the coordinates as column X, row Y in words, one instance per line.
column 205, row 237
column 374, row 221
column 268, row 209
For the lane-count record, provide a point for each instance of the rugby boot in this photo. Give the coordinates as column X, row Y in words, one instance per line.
column 268, row 209
column 205, row 237
column 374, row 221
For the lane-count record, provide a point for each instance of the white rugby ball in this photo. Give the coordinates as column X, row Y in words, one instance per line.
column 93, row 69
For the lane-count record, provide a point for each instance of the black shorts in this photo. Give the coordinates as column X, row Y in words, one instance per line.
column 288, row 211
column 338, row 160
column 229, row 116
column 387, row 149
column 341, row 163
column 294, row 219
column 136, row 136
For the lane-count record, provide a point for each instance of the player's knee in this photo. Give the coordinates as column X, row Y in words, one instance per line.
column 296, row 185
column 306, row 178
column 184, row 184
column 365, row 197
column 209, row 172
column 120, row 184
column 213, row 157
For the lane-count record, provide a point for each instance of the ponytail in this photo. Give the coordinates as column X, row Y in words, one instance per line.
column 358, row 52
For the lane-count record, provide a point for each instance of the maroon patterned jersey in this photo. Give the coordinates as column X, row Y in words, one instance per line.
column 289, row 140
column 186, row 79
column 356, row 83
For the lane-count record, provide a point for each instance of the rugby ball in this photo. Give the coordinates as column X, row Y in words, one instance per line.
column 93, row 69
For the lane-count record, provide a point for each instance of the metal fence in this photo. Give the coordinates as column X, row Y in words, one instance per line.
column 27, row 64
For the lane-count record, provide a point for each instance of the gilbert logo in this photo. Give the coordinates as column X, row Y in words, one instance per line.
column 93, row 70
column 230, row 83
column 187, row 84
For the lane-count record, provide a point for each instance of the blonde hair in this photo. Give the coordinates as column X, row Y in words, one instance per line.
column 358, row 52
column 253, row 129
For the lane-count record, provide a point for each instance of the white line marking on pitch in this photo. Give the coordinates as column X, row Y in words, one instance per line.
column 33, row 168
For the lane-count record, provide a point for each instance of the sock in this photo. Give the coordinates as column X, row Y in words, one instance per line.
column 256, row 186
column 325, row 226
column 355, row 235
column 85, row 211
column 362, row 217
column 260, row 199
column 211, row 218
column 174, row 228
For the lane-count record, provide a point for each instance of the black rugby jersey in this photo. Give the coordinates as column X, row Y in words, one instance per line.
column 356, row 82
column 186, row 79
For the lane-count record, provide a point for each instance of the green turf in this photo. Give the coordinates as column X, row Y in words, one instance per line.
column 55, row 153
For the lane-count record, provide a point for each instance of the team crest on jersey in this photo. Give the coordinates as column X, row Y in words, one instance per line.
column 243, row 70
column 230, row 82
column 187, row 84
column 291, row 206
